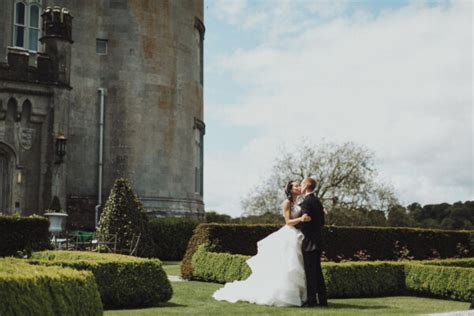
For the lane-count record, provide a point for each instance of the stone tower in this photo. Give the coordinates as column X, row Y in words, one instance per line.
column 135, row 104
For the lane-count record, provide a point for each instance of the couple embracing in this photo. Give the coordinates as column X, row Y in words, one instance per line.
column 286, row 271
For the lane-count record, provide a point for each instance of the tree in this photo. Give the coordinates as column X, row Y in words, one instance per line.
column 214, row 217
column 123, row 215
column 398, row 217
column 345, row 174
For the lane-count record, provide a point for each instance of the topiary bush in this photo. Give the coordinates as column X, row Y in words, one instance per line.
column 37, row 290
column 125, row 216
column 123, row 281
column 20, row 234
column 171, row 236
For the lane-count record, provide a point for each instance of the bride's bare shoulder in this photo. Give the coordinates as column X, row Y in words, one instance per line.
column 286, row 203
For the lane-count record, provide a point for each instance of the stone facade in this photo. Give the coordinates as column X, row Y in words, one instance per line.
column 143, row 61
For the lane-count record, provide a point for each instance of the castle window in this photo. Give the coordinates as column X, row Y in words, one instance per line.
column 34, row 27
column 201, row 30
column 20, row 24
column 26, row 28
column 101, row 47
column 199, row 130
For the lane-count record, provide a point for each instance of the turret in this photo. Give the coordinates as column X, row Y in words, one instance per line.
column 57, row 38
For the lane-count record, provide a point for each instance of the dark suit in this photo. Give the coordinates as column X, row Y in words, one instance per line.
column 312, row 249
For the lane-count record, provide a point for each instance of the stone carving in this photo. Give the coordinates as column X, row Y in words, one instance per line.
column 27, row 136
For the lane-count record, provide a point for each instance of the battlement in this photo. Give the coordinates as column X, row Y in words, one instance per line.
column 23, row 66
column 57, row 23
column 50, row 67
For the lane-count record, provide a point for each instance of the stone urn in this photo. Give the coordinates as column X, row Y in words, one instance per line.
column 57, row 222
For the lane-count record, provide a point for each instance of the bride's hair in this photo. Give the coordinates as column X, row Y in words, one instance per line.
column 288, row 188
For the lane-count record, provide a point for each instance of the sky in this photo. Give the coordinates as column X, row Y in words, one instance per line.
column 393, row 76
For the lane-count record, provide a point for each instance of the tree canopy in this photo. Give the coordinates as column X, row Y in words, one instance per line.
column 345, row 173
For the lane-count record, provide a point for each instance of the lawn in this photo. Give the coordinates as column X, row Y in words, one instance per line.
column 195, row 298
column 172, row 267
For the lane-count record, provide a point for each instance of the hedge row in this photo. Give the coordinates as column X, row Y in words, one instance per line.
column 440, row 281
column 219, row 267
column 37, row 290
column 355, row 279
column 463, row 263
column 23, row 233
column 123, row 281
column 377, row 241
column 171, row 236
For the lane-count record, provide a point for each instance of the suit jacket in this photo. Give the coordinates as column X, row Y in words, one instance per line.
column 311, row 230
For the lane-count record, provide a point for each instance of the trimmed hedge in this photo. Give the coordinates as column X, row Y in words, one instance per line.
column 357, row 279
column 23, row 233
column 463, row 263
column 440, row 281
column 377, row 241
column 219, row 267
column 354, row 279
column 37, row 290
column 171, row 236
column 124, row 281
column 364, row 279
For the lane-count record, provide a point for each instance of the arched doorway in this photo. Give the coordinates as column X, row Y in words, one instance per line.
column 6, row 180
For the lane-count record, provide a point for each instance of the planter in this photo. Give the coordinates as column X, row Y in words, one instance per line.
column 57, row 222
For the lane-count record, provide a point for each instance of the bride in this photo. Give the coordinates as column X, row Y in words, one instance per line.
column 278, row 276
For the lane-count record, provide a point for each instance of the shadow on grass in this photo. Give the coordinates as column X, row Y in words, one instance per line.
column 168, row 304
column 353, row 306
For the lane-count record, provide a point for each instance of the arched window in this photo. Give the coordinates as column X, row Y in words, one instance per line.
column 199, row 26
column 27, row 24
column 199, row 131
column 7, row 159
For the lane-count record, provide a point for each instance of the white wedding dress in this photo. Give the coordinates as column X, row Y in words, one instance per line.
column 278, row 276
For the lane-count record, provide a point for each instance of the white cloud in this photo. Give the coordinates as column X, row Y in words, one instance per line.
column 399, row 83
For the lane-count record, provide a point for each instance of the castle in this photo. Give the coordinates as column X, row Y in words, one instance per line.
column 91, row 91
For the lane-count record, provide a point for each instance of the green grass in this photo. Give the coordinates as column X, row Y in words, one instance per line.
column 195, row 298
column 172, row 267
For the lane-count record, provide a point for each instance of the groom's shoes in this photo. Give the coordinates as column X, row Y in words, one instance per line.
column 310, row 304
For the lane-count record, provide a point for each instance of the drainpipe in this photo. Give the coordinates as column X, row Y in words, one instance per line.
column 103, row 93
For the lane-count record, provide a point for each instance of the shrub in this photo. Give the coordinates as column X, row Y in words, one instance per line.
column 219, row 267
column 343, row 280
column 354, row 279
column 234, row 239
column 125, row 216
column 36, row 290
column 363, row 279
column 23, row 234
column 440, row 281
column 378, row 242
column 124, row 281
column 171, row 236
column 463, row 263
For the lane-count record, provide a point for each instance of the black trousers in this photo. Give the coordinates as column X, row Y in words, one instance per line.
column 315, row 286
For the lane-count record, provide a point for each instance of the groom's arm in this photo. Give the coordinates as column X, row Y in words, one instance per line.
column 304, row 210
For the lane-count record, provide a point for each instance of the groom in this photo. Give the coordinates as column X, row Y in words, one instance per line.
column 311, row 247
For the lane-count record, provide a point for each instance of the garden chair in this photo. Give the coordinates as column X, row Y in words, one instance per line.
column 132, row 250
column 105, row 243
